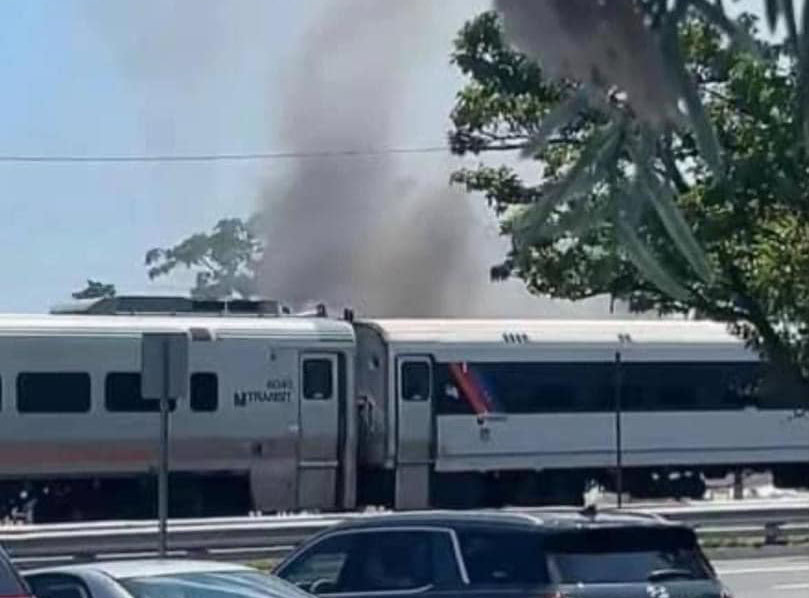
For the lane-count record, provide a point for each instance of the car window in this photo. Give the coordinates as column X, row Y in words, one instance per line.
column 625, row 555
column 58, row 586
column 214, row 584
column 497, row 558
column 321, row 564
column 387, row 560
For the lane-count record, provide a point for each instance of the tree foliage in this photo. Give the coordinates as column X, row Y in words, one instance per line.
column 224, row 260
column 640, row 213
column 95, row 290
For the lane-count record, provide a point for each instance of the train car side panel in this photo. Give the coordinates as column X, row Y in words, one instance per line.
column 371, row 377
column 74, row 428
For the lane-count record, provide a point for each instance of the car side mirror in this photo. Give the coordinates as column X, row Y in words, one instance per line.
column 322, row 586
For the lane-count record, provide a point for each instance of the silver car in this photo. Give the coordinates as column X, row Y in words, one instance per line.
column 158, row 579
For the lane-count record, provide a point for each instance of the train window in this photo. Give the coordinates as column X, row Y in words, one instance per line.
column 448, row 398
column 766, row 387
column 204, row 391
column 517, row 387
column 53, row 392
column 663, row 386
column 677, row 397
column 122, row 395
column 689, row 386
column 556, row 397
column 631, row 398
column 590, row 387
column 740, row 386
column 318, row 383
column 544, row 398
column 415, row 381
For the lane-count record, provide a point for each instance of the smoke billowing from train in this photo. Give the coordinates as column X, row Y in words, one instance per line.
column 385, row 234
column 354, row 230
column 380, row 233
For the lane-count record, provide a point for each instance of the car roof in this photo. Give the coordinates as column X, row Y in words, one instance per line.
column 530, row 519
column 125, row 569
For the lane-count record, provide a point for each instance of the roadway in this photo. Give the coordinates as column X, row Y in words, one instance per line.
column 783, row 577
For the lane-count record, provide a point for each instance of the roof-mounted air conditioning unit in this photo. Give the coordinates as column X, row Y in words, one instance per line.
column 169, row 305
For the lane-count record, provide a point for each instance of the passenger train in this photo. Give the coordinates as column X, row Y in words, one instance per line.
column 309, row 412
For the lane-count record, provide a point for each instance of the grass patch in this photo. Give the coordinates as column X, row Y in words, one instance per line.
column 750, row 542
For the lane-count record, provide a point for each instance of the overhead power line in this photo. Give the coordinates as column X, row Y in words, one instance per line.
column 235, row 157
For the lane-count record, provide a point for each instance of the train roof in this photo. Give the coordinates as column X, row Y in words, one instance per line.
column 550, row 332
column 308, row 329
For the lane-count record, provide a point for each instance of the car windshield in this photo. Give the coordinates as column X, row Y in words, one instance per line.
column 625, row 555
column 213, row 584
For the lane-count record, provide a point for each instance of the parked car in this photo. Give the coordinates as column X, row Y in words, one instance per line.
column 552, row 553
column 11, row 584
column 158, row 579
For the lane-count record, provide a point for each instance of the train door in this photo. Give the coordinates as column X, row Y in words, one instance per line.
column 414, row 431
column 318, row 452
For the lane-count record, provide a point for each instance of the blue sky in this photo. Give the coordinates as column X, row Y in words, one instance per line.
column 150, row 77
column 127, row 77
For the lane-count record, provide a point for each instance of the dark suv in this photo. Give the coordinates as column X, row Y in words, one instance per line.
column 553, row 553
column 11, row 584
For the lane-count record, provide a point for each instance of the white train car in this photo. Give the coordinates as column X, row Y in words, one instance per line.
column 471, row 412
column 266, row 426
column 291, row 413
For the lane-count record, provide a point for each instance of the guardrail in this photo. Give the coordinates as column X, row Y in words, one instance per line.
column 273, row 536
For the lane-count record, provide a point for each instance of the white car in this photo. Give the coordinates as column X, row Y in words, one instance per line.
column 167, row 578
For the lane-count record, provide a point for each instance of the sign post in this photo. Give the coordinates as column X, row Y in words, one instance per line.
column 619, row 465
column 164, row 376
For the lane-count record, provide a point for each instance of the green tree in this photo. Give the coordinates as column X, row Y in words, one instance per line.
column 640, row 214
column 95, row 290
column 224, row 260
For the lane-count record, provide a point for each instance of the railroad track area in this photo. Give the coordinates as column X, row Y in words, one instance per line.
column 245, row 538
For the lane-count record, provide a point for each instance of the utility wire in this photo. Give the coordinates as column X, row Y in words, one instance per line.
column 236, row 157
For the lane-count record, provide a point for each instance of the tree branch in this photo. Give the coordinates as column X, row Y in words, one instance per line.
column 733, row 101
column 773, row 343
column 206, row 261
column 667, row 157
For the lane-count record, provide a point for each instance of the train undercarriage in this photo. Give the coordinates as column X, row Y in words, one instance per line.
column 131, row 497
column 225, row 494
column 470, row 490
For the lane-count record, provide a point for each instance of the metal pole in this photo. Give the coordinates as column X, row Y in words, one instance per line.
column 738, row 484
column 163, row 477
column 619, row 473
